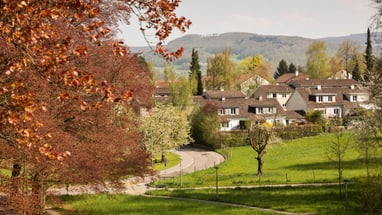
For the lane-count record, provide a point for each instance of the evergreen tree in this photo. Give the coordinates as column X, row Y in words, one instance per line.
column 356, row 72
column 282, row 68
column 292, row 68
column 369, row 58
column 195, row 75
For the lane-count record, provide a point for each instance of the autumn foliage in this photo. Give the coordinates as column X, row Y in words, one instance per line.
column 69, row 93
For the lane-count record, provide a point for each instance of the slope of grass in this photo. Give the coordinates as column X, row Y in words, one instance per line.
column 132, row 205
column 303, row 199
column 172, row 160
column 298, row 161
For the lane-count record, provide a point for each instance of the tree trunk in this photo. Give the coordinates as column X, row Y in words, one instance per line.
column 340, row 177
column 38, row 194
column 259, row 166
column 16, row 171
column 15, row 199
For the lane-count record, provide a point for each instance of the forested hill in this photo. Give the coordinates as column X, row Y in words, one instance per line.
column 273, row 48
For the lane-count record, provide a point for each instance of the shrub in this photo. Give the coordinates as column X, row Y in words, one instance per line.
column 294, row 132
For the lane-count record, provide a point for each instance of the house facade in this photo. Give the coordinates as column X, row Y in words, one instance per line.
column 280, row 92
column 234, row 107
column 334, row 98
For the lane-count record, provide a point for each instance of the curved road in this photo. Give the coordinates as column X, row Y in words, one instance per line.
column 192, row 159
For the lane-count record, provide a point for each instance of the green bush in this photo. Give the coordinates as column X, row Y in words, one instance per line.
column 294, row 132
column 245, row 124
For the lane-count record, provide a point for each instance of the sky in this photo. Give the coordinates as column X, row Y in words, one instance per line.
column 306, row 18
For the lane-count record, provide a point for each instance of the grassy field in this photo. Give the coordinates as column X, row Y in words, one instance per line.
column 134, row 205
column 299, row 161
column 172, row 160
column 303, row 199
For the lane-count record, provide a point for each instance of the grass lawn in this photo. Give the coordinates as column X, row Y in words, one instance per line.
column 298, row 161
column 125, row 204
column 306, row 199
column 172, row 160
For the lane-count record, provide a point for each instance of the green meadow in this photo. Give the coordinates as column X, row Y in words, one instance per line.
column 134, row 205
column 303, row 160
column 297, row 177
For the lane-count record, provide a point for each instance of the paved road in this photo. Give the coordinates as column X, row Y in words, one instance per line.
column 192, row 159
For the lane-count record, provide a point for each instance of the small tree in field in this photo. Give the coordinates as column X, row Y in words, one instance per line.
column 336, row 152
column 258, row 138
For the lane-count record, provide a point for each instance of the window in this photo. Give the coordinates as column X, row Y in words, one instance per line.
column 284, row 95
column 233, row 111
column 354, row 98
column 221, row 112
column 337, row 111
column 270, row 110
column 274, row 95
column 260, row 110
column 224, row 124
column 330, row 98
column 320, row 99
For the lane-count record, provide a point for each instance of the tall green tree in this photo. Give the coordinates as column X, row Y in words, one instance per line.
column 282, row 68
column 356, row 73
column 195, row 75
column 181, row 90
column 292, row 68
column 317, row 64
column 206, row 124
column 221, row 71
column 369, row 58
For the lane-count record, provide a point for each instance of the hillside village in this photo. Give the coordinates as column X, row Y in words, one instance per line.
column 283, row 102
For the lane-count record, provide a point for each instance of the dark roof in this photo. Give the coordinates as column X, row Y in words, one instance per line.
column 287, row 77
column 294, row 115
column 264, row 103
column 228, row 94
column 263, row 90
column 324, row 83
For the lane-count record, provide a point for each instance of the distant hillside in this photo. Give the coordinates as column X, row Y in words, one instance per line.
column 273, row 48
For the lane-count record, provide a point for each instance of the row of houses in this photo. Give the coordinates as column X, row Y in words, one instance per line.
column 286, row 101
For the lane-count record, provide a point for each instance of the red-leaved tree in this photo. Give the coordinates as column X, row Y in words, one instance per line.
column 69, row 93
